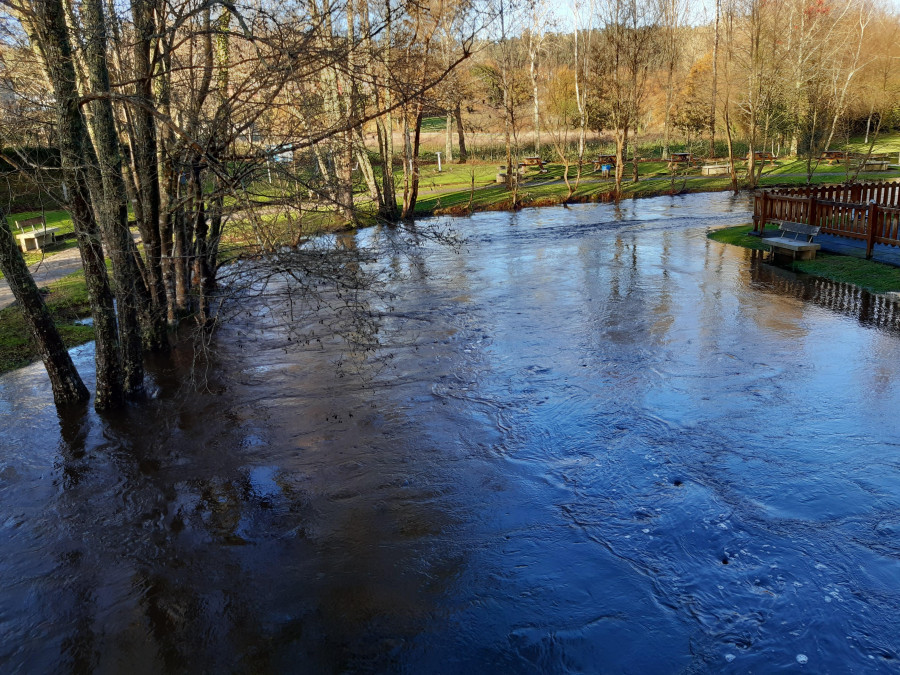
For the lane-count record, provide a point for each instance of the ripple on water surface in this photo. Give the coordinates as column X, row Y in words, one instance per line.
column 596, row 442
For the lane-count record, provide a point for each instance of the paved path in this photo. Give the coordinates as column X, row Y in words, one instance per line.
column 53, row 267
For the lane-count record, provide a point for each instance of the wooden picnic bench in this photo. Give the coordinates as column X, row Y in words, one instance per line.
column 604, row 160
column 762, row 156
column 834, row 156
column 800, row 245
column 678, row 158
column 37, row 239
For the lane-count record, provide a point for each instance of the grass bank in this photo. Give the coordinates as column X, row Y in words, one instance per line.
column 873, row 276
column 451, row 192
column 67, row 301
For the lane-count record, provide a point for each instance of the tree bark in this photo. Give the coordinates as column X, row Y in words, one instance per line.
column 65, row 381
column 112, row 208
column 47, row 30
column 460, row 132
column 448, row 138
column 145, row 150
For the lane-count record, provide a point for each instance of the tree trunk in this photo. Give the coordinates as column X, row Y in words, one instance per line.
column 715, row 76
column 413, row 193
column 463, row 154
column 536, row 101
column 448, row 138
column 47, row 30
column 731, row 169
column 112, row 208
column 64, row 379
column 144, row 151
column 621, row 156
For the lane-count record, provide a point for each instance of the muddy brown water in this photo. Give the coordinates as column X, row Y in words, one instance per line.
column 595, row 441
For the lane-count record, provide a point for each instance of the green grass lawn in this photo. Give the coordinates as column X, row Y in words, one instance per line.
column 873, row 276
column 67, row 301
column 58, row 219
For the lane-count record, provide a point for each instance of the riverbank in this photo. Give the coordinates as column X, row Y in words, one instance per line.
column 460, row 190
column 16, row 349
column 873, row 276
column 67, row 301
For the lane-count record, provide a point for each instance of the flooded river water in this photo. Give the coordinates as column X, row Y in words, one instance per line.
column 596, row 442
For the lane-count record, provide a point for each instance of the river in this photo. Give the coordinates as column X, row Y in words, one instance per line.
column 590, row 440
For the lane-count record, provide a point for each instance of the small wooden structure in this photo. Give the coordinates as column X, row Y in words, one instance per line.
column 533, row 161
column 37, row 239
column 834, row 156
column 798, row 247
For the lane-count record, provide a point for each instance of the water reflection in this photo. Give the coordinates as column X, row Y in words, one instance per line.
column 594, row 441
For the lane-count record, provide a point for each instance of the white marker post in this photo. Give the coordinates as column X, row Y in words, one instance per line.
column 439, row 162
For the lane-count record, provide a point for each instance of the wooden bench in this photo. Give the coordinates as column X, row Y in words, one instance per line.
column 37, row 239
column 801, row 248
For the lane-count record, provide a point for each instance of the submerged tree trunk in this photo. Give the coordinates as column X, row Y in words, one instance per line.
column 48, row 33
column 144, row 151
column 64, row 379
column 111, row 206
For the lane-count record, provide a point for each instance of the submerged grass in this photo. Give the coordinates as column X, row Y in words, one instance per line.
column 67, row 301
column 873, row 276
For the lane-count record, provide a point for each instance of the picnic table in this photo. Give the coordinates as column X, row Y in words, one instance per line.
column 533, row 161
column 604, row 160
column 37, row 239
column 762, row 156
column 834, row 156
column 678, row 158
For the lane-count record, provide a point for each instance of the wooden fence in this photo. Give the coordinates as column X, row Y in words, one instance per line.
column 869, row 212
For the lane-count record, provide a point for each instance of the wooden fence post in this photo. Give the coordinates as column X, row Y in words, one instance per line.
column 872, row 218
column 761, row 223
column 811, row 211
